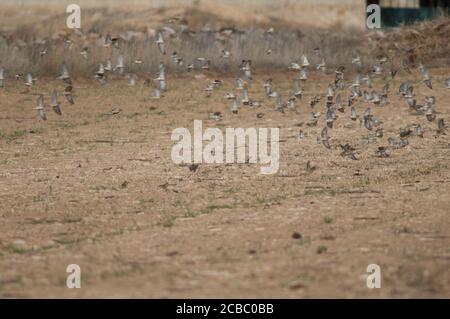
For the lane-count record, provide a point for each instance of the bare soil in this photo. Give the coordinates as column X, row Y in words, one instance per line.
column 101, row 191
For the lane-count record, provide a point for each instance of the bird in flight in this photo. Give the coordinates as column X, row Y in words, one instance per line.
column 160, row 43
column 54, row 103
column 40, row 107
column 324, row 138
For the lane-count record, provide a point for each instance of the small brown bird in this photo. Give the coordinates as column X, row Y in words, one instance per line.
column 379, row 132
column 64, row 73
column 84, row 53
column 234, row 106
column 393, row 71
column 120, row 66
column 160, row 43
column 339, row 105
column 330, row 117
column 298, row 92
column 156, row 93
column 42, row 53
column 367, row 119
column 245, row 98
column 382, row 152
column 348, row 151
column 131, row 79
column 304, row 61
column 246, row 66
column 426, row 78
column 29, row 81
column 216, row 116
column 353, row 115
column 405, row 132
column 309, row 168
column 418, row 130
column 279, row 105
column 68, row 94
column 291, row 104
column 441, row 127
column 225, row 54
column 193, row 167
column 429, row 113
column 107, row 66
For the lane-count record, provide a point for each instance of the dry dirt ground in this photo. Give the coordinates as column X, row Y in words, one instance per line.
column 101, row 191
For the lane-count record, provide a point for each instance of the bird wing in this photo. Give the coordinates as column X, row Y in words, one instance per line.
column 54, row 98
column 57, row 109
column 120, row 61
column 40, row 102
column 64, row 69
column 42, row 115
column 330, row 114
column 296, row 84
column 159, row 38
column 162, row 70
column 425, row 73
column 324, row 135
column 108, row 39
column 338, row 100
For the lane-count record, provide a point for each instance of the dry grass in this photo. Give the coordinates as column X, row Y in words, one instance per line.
column 424, row 41
column 20, row 46
column 21, row 43
column 287, row 47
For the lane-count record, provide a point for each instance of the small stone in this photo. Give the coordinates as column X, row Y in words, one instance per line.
column 296, row 286
column 172, row 253
column 296, row 235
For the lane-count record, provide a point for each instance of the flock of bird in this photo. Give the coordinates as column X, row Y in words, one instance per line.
column 341, row 95
column 335, row 102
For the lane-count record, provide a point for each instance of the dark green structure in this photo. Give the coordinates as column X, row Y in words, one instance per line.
column 394, row 16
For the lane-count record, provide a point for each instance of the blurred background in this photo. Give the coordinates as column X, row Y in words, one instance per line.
column 322, row 13
column 196, row 28
column 310, row 12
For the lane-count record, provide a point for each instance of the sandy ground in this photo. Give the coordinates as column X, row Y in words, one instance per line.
column 101, row 191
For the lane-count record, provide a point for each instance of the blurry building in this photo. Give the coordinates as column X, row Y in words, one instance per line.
column 397, row 12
